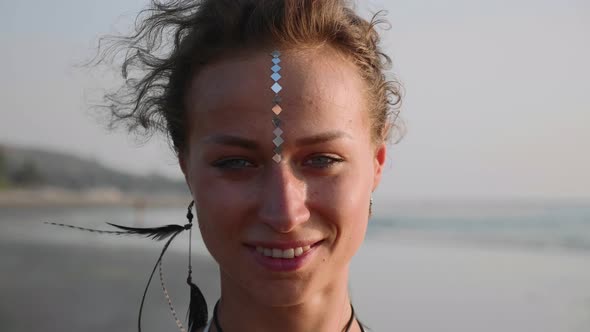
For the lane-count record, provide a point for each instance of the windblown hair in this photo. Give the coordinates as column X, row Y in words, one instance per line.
column 173, row 41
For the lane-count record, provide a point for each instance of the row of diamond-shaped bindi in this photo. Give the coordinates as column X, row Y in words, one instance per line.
column 276, row 109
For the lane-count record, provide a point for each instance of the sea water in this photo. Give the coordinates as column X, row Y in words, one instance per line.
column 543, row 225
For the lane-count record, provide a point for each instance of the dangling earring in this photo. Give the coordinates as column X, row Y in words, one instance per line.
column 371, row 206
column 197, row 315
column 197, row 309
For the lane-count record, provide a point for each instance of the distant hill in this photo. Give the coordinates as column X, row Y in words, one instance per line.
column 31, row 167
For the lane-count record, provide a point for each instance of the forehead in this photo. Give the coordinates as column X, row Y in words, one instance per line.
column 321, row 89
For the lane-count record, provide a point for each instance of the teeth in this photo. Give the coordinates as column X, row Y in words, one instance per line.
column 285, row 254
column 277, row 253
column 289, row 253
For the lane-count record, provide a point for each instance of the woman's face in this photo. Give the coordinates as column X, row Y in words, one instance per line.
column 314, row 201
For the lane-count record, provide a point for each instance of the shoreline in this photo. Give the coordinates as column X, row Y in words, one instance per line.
column 51, row 197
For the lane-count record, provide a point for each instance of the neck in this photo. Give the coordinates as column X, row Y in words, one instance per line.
column 327, row 310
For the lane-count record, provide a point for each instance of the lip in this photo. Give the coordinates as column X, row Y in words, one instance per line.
column 282, row 245
column 281, row 264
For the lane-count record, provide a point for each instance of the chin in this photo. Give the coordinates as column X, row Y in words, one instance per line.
column 281, row 293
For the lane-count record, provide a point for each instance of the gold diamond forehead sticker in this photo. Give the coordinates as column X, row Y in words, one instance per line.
column 276, row 108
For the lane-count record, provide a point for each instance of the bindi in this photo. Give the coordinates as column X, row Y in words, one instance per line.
column 276, row 108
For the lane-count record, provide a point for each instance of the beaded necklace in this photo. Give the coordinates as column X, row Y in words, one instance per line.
column 346, row 328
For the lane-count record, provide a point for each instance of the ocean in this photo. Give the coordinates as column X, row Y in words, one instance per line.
column 543, row 225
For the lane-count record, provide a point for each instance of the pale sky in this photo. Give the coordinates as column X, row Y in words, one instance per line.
column 497, row 93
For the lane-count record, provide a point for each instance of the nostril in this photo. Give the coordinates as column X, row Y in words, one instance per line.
column 283, row 200
column 284, row 217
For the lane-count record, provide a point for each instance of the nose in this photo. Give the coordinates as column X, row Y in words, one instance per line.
column 283, row 199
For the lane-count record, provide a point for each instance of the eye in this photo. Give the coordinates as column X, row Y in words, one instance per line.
column 322, row 161
column 232, row 163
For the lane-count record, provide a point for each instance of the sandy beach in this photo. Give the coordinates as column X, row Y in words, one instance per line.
column 396, row 286
column 52, row 287
column 420, row 287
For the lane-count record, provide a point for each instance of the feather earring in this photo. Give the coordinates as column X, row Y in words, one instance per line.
column 197, row 309
column 198, row 306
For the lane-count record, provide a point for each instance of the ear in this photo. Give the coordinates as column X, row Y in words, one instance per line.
column 379, row 163
column 183, row 161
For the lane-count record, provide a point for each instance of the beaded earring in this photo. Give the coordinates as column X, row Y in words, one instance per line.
column 197, row 315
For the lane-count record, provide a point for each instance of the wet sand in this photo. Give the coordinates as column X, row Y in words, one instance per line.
column 53, row 287
column 396, row 286
column 416, row 286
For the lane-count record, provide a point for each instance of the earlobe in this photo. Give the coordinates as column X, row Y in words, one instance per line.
column 182, row 161
column 379, row 163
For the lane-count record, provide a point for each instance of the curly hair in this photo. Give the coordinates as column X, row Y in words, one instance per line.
column 173, row 41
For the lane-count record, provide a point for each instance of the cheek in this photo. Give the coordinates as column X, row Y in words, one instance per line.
column 218, row 228
column 217, row 222
column 344, row 201
column 354, row 217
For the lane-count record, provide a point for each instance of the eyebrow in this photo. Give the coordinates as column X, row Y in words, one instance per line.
column 232, row 141
column 245, row 143
column 322, row 138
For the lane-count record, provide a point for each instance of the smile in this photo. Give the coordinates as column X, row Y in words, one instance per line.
column 289, row 253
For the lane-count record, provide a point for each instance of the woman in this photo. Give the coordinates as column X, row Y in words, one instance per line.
column 279, row 112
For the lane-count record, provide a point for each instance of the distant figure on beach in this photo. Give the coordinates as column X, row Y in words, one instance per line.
column 279, row 112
